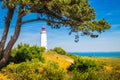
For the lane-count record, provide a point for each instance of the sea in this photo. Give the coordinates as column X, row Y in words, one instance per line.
column 97, row 54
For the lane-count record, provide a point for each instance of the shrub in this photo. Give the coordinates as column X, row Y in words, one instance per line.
column 59, row 50
column 54, row 72
column 42, row 49
column 84, row 65
column 25, row 52
column 75, row 75
column 24, row 71
column 91, row 75
column 86, row 69
column 34, row 70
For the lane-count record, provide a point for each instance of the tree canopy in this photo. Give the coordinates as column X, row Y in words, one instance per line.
column 75, row 14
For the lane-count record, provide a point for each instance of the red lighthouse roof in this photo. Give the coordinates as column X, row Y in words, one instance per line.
column 43, row 28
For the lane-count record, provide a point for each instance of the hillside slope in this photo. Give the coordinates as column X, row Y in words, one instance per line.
column 62, row 60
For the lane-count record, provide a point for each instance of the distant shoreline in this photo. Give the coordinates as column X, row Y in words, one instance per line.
column 97, row 54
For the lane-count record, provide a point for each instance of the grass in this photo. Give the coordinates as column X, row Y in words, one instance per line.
column 109, row 62
column 62, row 60
column 105, row 60
column 65, row 61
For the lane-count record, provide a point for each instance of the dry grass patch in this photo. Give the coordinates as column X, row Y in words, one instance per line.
column 63, row 60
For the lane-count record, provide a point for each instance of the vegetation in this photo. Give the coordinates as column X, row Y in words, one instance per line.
column 83, row 65
column 77, row 15
column 34, row 70
column 62, row 60
column 53, row 66
column 94, row 68
column 25, row 52
column 59, row 50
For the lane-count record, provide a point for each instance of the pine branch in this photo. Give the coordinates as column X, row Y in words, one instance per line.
column 39, row 19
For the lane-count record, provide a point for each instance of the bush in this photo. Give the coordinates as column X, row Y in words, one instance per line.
column 75, row 75
column 91, row 75
column 34, row 70
column 86, row 69
column 54, row 72
column 83, row 65
column 23, row 71
column 25, row 52
column 59, row 50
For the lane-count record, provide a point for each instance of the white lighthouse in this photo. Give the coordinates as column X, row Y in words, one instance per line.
column 43, row 38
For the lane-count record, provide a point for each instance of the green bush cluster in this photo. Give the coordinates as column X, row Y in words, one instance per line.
column 25, row 52
column 85, row 69
column 59, row 50
column 84, row 65
column 91, row 75
column 34, row 70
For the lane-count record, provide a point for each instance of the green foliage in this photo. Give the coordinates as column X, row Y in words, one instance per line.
column 78, row 15
column 91, row 75
column 34, row 70
column 75, row 75
column 25, row 52
column 59, row 50
column 83, row 65
column 86, row 69
column 42, row 49
column 54, row 72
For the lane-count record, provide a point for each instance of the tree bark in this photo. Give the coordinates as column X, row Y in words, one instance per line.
column 10, row 44
column 6, row 29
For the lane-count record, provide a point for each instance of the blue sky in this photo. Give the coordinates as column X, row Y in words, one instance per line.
column 106, row 42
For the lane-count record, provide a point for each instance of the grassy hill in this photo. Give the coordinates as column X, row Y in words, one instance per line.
column 32, row 63
column 62, row 60
column 65, row 61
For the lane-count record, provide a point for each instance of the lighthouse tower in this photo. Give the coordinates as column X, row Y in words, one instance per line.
column 43, row 38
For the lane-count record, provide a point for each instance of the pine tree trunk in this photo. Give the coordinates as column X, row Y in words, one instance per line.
column 10, row 44
column 6, row 29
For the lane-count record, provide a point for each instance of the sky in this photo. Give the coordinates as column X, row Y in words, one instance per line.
column 107, row 41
